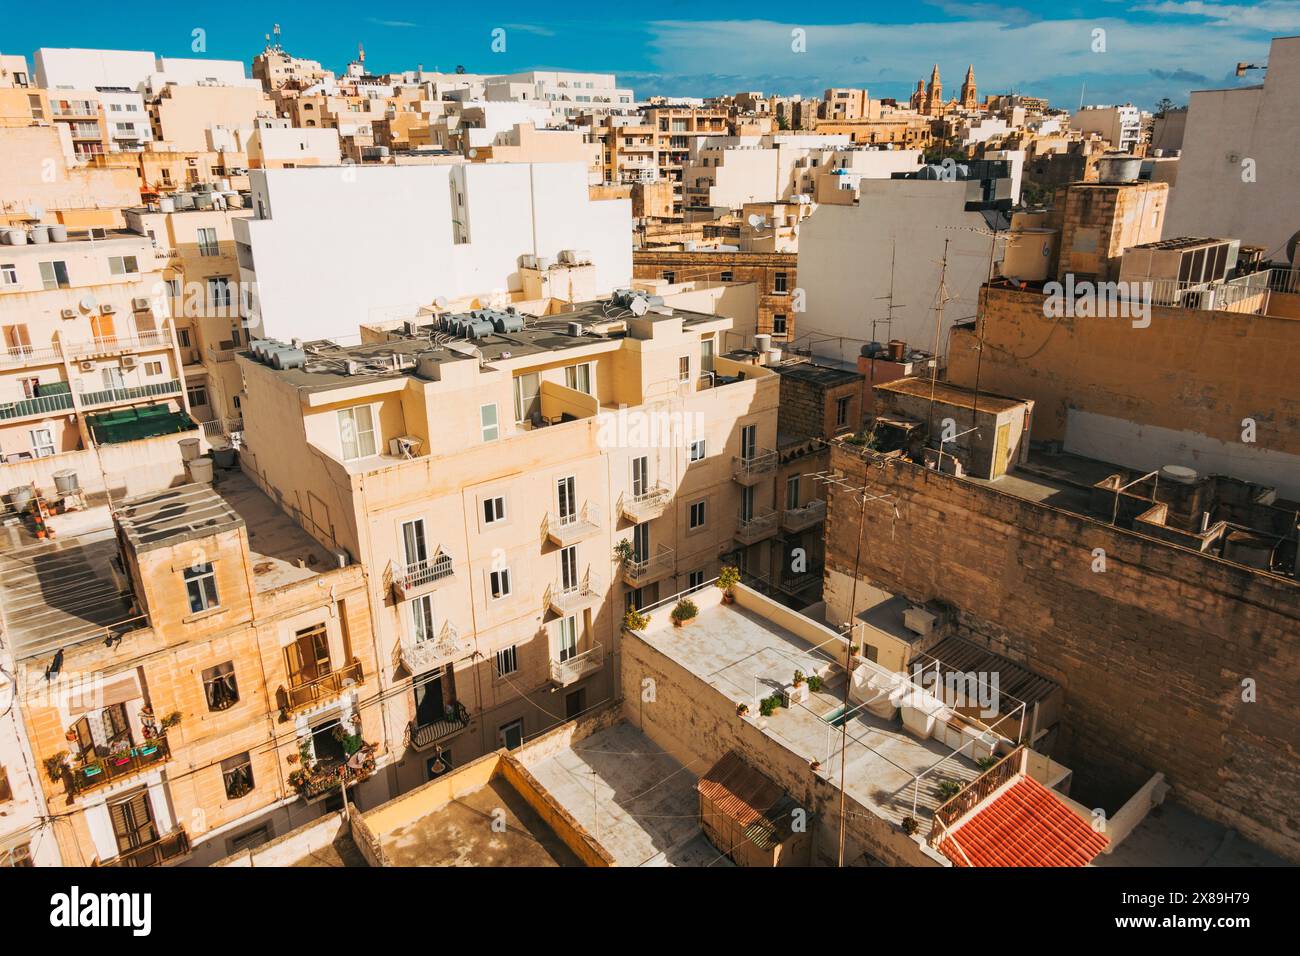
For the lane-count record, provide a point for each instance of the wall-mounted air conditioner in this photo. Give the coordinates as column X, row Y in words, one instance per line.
column 128, row 362
column 107, row 309
column 68, row 313
column 86, row 365
column 141, row 305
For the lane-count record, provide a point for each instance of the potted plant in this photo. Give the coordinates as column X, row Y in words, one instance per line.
column 684, row 612
column 728, row 578
column 624, row 551
column 55, row 764
column 814, row 765
column 798, row 678
column 911, row 825
column 768, row 705
column 171, row 720
column 986, row 763
column 814, row 683
column 950, row 788
column 742, row 710
column 634, row 620
column 797, row 691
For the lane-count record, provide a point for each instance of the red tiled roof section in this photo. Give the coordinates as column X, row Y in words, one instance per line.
column 1025, row 826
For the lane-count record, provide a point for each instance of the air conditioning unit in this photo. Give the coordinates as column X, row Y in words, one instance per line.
column 107, row 309
column 87, row 365
column 128, row 362
column 69, row 313
column 141, row 305
column 407, row 446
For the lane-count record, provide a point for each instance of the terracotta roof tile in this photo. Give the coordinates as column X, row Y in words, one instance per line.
column 1025, row 826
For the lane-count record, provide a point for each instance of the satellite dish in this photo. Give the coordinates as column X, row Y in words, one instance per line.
column 88, row 302
column 639, row 306
column 757, row 222
column 1291, row 248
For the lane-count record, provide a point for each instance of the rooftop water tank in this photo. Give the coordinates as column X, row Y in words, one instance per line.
column 39, row 234
column 65, row 482
column 184, row 200
column 289, row 358
column 1120, row 168
column 166, row 204
column 58, row 233
column 478, row 328
column 1179, row 474
column 507, row 323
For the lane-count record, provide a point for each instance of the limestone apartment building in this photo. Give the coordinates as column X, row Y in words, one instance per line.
column 484, row 469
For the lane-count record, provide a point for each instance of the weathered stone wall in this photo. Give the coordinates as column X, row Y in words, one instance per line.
column 757, row 267
column 1152, row 653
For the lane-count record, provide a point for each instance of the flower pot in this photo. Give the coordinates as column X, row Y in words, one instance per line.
column 728, row 597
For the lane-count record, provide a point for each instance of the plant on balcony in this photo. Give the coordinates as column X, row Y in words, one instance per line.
column 623, row 551
column 911, row 825
column 986, row 763
column 684, row 612
column 742, row 710
column 171, row 720
column 950, row 788
column 55, row 765
column 799, row 678
column 634, row 620
column 728, row 578
column 814, row 683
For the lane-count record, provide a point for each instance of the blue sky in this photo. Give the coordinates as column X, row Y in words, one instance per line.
column 1153, row 48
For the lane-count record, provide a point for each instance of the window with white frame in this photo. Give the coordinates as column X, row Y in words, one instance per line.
column 579, row 377
column 684, row 369
column 8, row 273
column 499, row 583
column 422, row 618
column 494, row 509
column 698, row 450
column 153, row 368
column 54, row 275
column 123, row 265
column 488, row 421
column 507, row 660
column 567, row 637
column 357, row 432
column 43, row 442
column 697, row 514
column 208, row 245
column 201, row 586
column 219, row 292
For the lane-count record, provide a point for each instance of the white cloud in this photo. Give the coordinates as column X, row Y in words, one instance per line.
column 1275, row 16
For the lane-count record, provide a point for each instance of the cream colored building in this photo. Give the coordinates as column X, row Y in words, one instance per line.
column 40, row 181
column 184, row 115
column 486, row 483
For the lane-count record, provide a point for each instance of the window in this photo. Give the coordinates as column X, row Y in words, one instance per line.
column 579, row 377
column 219, row 292
column 208, row 245
column 201, row 584
column 568, row 638
column 778, row 325
column 528, row 396
column 219, row 686
column 684, row 369
column 499, row 583
column 706, row 355
column 183, row 339
column 173, row 287
column 153, row 368
column 237, row 774
column 792, row 491
column 779, row 282
column 695, row 579
column 698, row 450
column 54, row 275
column 43, row 442
column 251, row 838
column 697, row 514
column 726, row 275
column 9, row 274
column 670, row 277
column 494, row 509
column 422, row 618
column 307, row 659
column 357, row 432
column 507, row 660
column 512, row 734
column 123, row 265
column 842, row 411
column 488, row 420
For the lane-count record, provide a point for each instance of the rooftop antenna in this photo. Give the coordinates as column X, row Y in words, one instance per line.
column 1082, row 89
column 938, row 327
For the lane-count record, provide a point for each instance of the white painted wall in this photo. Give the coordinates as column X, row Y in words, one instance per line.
column 346, row 245
column 844, row 265
column 74, row 68
column 1225, row 128
column 1148, row 447
column 20, row 821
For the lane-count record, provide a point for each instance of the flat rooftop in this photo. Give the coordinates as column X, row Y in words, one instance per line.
column 946, row 393
column 635, row 799
column 745, row 656
column 60, row 592
column 826, row 376
column 1171, row 835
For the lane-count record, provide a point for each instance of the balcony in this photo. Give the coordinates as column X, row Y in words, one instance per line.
column 795, row 582
column 751, row 470
column 25, row 356
column 154, row 853
column 317, row 779
column 116, row 344
column 99, row 772
column 639, row 573
column 424, row 736
column 420, row 656
column 577, row 667
column 310, row 693
column 135, row 393
column 646, row 506
column 755, row 528
column 571, row 529
column 805, row 516
column 41, row 405
column 575, row 598
column 412, row 580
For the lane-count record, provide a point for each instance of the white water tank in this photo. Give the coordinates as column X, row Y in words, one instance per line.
column 762, row 343
column 200, row 470
column 166, row 204
column 189, row 449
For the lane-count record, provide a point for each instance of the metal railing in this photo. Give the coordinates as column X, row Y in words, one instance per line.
column 154, row 853
column 41, row 405
column 575, row 596
column 948, row 814
column 408, row 579
column 420, row 656
column 114, row 396
column 299, row 696
column 805, row 515
column 30, row 355
column 755, row 527
column 762, row 461
column 643, row 570
column 102, row 771
column 650, row 502
column 119, row 343
column 573, row 527
column 577, row 667
column 453, row 721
